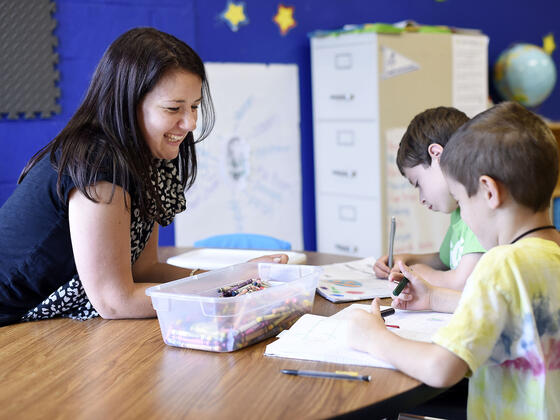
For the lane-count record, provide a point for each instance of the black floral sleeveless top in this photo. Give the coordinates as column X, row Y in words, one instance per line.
column 70, row 299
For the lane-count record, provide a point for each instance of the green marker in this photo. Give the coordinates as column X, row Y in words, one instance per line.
column 400, row 286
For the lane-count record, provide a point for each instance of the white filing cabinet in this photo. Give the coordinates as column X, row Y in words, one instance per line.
column 365, row 85
column 346, row 144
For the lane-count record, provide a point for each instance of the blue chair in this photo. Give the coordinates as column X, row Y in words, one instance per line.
column 243, row 241
column 556, row 211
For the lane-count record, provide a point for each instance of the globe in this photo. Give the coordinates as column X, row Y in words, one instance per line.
column 524, row 73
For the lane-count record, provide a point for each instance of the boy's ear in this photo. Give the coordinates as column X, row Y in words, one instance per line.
column 491, row 191
column 435, row 150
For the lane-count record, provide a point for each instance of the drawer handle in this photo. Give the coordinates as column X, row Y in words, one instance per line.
column 345, row 138
column 348, row 213
column 344, row 174
column 343, row 61
column 346, row 248
column 342, row 97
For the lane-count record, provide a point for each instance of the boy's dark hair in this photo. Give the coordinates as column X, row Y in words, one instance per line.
column 104, row 131
column 434, row 125
column 511, row 145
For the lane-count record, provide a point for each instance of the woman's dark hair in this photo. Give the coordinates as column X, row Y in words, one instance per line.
column 104, row 133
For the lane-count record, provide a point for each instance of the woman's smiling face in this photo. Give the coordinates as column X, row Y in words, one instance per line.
column 169, row 112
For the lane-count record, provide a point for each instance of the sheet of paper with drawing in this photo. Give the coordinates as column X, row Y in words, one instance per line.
column 323, row 339
column 351, row 281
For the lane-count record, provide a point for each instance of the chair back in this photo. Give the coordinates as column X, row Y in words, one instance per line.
column 243, row 241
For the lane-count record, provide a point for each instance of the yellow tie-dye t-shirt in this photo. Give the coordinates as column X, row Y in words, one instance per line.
column 507, row 329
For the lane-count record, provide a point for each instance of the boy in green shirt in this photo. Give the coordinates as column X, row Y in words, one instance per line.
column 418, row 160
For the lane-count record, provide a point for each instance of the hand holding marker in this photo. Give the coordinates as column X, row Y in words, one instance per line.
column 400, row 286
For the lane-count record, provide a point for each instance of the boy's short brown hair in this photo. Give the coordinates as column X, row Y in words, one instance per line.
column 434, row 125
column 511, row 145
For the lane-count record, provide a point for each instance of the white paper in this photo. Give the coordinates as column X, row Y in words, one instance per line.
column 470, row 73
column 414, row 325
column 213, row 258
column 320, row 338
column 396, row 64
column 324, row 339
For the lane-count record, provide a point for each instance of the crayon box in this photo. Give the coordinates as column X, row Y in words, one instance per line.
column 222, row 311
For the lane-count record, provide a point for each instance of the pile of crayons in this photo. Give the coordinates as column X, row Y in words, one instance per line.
column 241, row 288
column 220, row 335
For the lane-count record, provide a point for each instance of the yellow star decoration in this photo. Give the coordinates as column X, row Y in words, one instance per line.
column 234, row 15
column 548, row 44
column 285, row 18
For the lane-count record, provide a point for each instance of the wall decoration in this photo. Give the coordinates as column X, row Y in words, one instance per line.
column 249, row 171
column 396, row 64
column 234, row 15
column 284, row 18
column 548, row 43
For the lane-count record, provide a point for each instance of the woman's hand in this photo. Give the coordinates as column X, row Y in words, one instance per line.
column 273, row 258
column 417, row 293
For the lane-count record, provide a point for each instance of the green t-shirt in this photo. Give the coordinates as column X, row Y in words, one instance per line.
column 459, row 240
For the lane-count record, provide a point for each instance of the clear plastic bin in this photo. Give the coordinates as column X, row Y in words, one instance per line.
column 192, row 314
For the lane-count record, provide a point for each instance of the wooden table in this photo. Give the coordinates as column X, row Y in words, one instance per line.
column 122, row 369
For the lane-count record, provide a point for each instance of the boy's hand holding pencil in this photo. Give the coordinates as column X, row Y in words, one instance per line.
column 415, row 293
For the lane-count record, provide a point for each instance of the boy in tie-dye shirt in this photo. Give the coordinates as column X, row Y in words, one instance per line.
column 501, row 167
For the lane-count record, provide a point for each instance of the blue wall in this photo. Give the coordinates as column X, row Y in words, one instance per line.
column 86, row 27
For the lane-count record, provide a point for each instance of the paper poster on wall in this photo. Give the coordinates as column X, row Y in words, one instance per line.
column 249, row 175
column 470, row 75
column 395, row 64
column 418, row 229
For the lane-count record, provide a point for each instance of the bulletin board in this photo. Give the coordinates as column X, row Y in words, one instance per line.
column 249, row 177
column 28, row 72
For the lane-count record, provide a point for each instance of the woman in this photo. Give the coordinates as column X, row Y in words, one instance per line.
column 79, row 235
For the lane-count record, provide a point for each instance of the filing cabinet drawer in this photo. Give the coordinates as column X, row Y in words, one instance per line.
column 345, row 82
column 349, row 226
column 347, row 158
